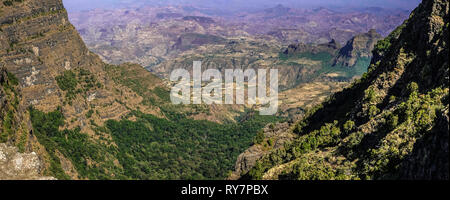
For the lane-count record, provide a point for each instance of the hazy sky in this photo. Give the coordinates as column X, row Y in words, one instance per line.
column 235, row 4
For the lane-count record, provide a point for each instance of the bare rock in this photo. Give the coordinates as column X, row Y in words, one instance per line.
column 20, row 166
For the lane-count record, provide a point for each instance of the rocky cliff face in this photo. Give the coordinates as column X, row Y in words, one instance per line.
column 360, row 46
column 49, row 68
column 390, row 124
column 273, row 137
column 35, row 40
column 38, row 45
column 17, row 159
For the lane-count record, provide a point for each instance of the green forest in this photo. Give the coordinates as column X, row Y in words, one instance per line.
column 148, row 148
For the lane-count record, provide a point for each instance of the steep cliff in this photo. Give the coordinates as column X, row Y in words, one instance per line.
column 393, row 123
column 38, row 44
column 45, row 66
column 17, row 158
column 360, row 46
column 9, row 105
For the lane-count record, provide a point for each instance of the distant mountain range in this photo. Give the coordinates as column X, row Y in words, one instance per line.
column 222, row 6
column 150, row 35
column 353, row 105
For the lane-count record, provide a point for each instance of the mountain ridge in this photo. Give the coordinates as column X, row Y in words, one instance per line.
column 396, row 125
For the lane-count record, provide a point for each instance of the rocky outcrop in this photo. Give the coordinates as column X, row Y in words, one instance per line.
column 19, row 166
column 278, row 136
column 360, row 46
column 17, row 160
column 246, row 161
column 330, row 47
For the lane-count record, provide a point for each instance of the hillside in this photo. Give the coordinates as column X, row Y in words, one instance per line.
column 393, row 123
column 71, row 116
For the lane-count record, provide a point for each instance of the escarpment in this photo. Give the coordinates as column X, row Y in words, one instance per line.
column 44, row 51
column 45, row 67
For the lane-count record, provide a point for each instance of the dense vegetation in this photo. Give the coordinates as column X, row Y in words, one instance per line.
column 363, row 156
column 84, row 153
column 11, row 2
column 148, row 148
column 9, row 93
column 154, row 148
column 75, row 82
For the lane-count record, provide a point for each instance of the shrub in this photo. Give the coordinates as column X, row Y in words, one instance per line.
column 392, row 98
column 89, row 113
column 373, row 110
column 259, row 138
column 370, row 95
column 12, row 78
column 270, row 142
column 349, row 126
column 67, row 81
column 7, row 3
column 392, row 121
column 413, row 87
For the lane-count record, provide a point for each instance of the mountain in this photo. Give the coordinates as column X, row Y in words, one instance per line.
column 53, row 71
column 360, row 46
column 227, row 6
column 297, row 63
column 147, row 35
column 68, row 115
column 393, row 123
